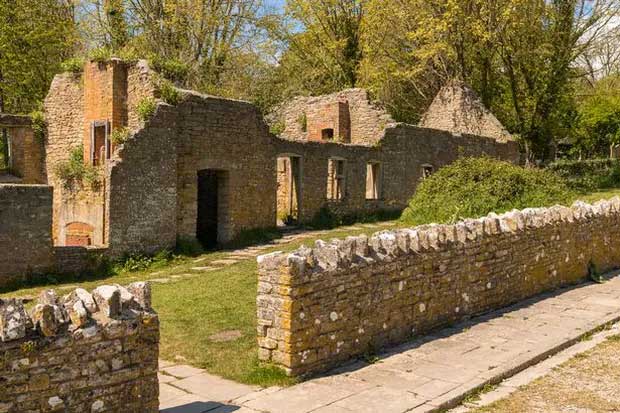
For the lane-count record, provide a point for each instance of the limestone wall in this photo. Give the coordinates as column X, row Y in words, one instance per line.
column 367, row 120
column 318, row 307
column 25, row 230
column 80, row 353
column 141, row 191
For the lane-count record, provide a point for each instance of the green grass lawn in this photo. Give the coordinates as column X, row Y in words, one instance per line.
column 596, row 196
column 200, row 304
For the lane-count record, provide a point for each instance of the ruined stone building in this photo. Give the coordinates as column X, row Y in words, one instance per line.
column 210, row 167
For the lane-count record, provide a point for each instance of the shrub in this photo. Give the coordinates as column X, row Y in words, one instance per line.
column 73, row 171
column 189, row 247
column 119, row 136
column 171, row 69
column 277, row 128
column 168, row 93
column 474, row 187
column 146, row 108
column 589, row 174
column 38, row 124
column 302, row 120
column 100, row 54
column 74, row 65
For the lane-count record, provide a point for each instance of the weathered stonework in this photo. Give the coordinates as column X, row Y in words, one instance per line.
column 25, row 230
column 354, row 118
column 323, row 305
column 69, row 356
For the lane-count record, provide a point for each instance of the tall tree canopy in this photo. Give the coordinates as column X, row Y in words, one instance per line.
column 35, row 37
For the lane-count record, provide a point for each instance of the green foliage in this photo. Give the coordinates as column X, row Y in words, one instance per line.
column 168, row 92
column 35, row 37
column 74, row 65
column 140, row 262
column 146, row 108
column 589, row 175
column 594, row 274
column 189, row 247
column 474, row 187
column 119, row 136
column 100, row 54
column 172, row 69
column 303, row 122
column 38, row 124
column 74, row 171
column 277, row 128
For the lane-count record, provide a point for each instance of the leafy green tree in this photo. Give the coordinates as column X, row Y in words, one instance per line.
column 35, row 37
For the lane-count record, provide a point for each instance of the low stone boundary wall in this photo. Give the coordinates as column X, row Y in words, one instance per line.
column 323, row 305
column 25, row 230
column 80, row 353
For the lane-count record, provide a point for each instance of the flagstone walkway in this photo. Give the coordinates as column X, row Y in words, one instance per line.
column 429, row 374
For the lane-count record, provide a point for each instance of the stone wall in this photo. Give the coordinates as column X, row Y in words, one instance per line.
column 25, row 231
column 26, row 156
column 318, row 307
column 141, row 189
column 81, row 353
column 367, row 120
column 231, row 138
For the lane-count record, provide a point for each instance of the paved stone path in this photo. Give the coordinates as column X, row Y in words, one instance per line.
column 429, row 374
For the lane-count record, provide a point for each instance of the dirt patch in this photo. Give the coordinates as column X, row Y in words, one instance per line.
column 590, row 382
column 224, row 336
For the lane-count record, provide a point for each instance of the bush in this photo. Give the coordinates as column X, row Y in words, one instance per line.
column 74, row 65
column 190, row 247
column 119, row 136
column 146, row 108
column 73, row 171
column 168, row 93
column 474, row 187
column 326, row 219
column 171, row 69
column 38, row 124
column 100, row 54
column 589, row 175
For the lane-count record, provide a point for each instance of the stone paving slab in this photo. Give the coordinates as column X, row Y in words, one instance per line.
column 437, row 371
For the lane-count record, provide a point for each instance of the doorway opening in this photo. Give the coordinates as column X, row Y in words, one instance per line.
column 289, row 190
column 207, row 222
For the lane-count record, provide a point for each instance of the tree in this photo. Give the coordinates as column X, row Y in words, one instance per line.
column 322, row 43
column 599, row 116
column 520, row 55
column 36, row 36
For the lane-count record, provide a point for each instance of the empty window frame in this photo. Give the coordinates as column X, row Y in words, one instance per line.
column 373, row 180
column 99, row 142
column 327, row 134
column 427, row 170
column 336, row 179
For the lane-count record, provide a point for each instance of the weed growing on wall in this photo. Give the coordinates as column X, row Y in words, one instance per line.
column 73, row 65
column 474, row 187
column 38, row 124
column 100, row 55
column 277, row 128
column 74, row 171
column 171, row 69
column 120, row 136
column 146, row 108
column 168, row 92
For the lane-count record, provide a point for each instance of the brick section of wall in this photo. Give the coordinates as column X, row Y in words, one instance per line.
column 318, row 307
column 25, row 230
column 141, row 191
column 86, row 353
column 367, row 120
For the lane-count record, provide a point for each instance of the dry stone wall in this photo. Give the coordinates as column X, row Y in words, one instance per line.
column 323, row 305
column 25, row 230
column 80, row 353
